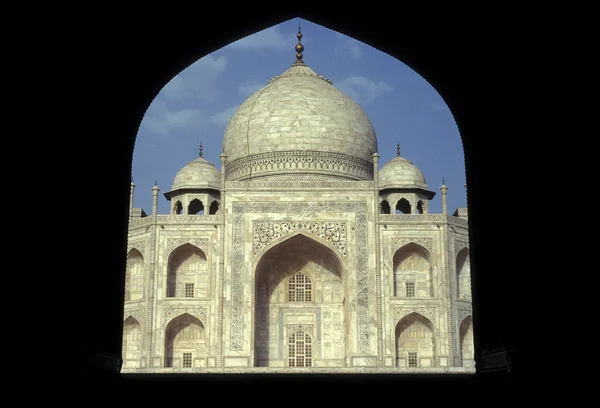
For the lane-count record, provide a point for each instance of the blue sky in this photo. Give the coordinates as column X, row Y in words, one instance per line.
column 196, row 105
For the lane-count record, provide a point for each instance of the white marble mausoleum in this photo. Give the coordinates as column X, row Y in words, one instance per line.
column 299, row 252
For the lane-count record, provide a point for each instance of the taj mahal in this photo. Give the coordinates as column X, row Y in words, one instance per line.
column 298, row 252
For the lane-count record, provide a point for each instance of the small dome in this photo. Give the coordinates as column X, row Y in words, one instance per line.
column 401, row 173
column 198, row 174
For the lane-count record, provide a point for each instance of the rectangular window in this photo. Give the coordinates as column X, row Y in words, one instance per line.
column 187, row 359
column 410, row 289
column 189, row 290
column 412, row 359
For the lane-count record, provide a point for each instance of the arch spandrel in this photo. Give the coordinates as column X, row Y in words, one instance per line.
column 400, row 313
column 175, row 243
column 138, row 247
column 171, row 314
column 135, row 315
column 330, row 233
column 258, row 256
column 424, row 243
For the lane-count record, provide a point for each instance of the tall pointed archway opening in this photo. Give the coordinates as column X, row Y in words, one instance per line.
column 300, row 317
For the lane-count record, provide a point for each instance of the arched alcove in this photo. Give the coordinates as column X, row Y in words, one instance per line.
column 214, row 207
column 415, row 342
column 178, row 208
column 187, row 275
column 385, row 207
column 413, row 275
column 196, row 207
column 185, row 341
column 463, row 275
column 403, row 206
column 134, row 276
column 467, row 346
column 132, row 343
column 299, row 282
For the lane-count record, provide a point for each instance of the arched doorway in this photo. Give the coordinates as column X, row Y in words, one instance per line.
column 415, row 342
column 299, row 306
column 187, row 273
column 185, row 342
column 132, row 343
column 467, row 347
column 412, row 272
column 134, row 278
column 463, row 275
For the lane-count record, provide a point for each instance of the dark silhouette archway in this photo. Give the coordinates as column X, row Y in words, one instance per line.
column 138, row 58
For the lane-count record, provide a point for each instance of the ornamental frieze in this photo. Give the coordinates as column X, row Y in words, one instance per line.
column 289, row 161
column 413, row 218
column 298, row 184
column 400, row 312
column 201, row 243
column 265, row 232
column 399, row 242
column 139, row 222
column 198, row 312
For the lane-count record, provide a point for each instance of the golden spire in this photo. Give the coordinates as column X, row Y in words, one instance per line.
column 398, row 149
column 200, row 149
column 299, row 47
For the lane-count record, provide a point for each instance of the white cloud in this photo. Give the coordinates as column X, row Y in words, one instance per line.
column 351, row 48
column 249, row 87
column 361, row 89
column 222, row 118
column 159, row 120
column 271, row 38
column 437, row 106
column 198, row 81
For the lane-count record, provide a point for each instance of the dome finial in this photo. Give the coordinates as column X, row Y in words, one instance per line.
column 299, row 47
column 398, row 149
column 200, row 149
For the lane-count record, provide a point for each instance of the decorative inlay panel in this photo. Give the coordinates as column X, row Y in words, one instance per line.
column 266, row 232
column 298, row 184
column 201, row 243
column 198, row 312
column 309, row 328
column 400, row 312
column 359, row 208
column 399, row 242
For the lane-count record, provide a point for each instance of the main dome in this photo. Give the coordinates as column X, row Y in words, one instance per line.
column 299, row 124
